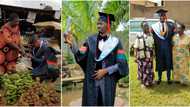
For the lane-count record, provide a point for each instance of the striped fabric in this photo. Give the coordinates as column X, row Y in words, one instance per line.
column 121, row 55
column 83, row 49
column 51, row 62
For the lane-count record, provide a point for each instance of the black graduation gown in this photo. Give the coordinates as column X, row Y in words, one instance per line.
column 163, row 49
column 88, row 64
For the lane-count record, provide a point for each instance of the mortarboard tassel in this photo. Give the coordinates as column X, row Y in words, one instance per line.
column 108, row 27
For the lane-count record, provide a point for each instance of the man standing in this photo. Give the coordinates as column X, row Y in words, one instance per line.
column 162, row 34
column 103, row 61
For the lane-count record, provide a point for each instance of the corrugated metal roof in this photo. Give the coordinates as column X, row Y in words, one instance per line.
column 33, row 4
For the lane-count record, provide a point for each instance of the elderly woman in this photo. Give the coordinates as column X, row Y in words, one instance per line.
column 144, row 55
column 12, row 38
column 181, row 55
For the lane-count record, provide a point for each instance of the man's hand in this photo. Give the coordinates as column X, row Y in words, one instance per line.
column 22, row 52
column 100, row 73
column 68, row 38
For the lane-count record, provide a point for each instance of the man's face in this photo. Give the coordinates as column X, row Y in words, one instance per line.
column 163, row 18
column 102, row 26
column 37, row 43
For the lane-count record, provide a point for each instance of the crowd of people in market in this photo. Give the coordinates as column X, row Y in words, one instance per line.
column 42, row 55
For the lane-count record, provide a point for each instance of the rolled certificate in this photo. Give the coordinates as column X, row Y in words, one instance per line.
column 68, row 24
column 68, row 27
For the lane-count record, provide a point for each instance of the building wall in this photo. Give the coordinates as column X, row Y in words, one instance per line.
column 176, row 10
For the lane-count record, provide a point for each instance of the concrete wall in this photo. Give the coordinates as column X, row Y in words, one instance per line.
column 176, row 10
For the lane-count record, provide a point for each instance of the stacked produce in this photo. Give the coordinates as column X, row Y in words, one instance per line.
column 23, row 64
column 15, row 84
column 40, row 95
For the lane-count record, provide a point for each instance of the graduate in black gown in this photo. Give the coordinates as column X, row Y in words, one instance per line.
column 163, row 32
column 103, row 61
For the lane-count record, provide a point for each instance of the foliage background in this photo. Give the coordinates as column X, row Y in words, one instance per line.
column 84, row 16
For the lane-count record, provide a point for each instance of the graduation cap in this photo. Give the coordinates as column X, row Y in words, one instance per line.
column 108, row 18
column 162, row 12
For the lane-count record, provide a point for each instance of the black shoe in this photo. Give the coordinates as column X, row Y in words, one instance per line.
column 158, row 82
column 169, row 82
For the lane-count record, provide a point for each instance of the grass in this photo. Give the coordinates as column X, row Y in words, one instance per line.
column 158, row 95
